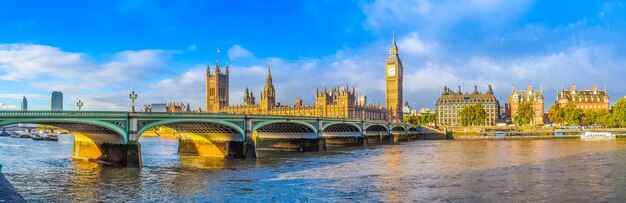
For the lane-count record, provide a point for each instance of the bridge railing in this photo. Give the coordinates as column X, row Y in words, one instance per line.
column 118, row 114
column 56, row 114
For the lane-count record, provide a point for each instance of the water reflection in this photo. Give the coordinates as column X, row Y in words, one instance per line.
column 465, row 171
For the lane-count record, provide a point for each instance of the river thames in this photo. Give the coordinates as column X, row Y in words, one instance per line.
column 457, row 171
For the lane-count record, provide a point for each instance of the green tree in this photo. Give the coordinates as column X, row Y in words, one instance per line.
column 589, row 117
column 411, row 119
column 618, row 119
column 572, row 115
column 603, row 118
column 473, row 115
column 524, row 114
column 555, row 114
column 427, row 118
column 479, row 114
column 466, row 115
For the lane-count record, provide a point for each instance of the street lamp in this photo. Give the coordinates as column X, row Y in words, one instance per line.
column 132, row 97
column 79, row 104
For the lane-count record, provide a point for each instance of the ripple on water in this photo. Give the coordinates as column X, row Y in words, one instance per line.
column 476, row 171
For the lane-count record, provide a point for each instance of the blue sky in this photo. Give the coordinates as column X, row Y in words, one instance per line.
column 98, row 51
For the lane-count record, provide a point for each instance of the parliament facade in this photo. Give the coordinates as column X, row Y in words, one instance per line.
column 337, row 102
column 450, row 104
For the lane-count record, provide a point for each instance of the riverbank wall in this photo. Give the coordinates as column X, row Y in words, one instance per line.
column 461, row 138
column 7, row 191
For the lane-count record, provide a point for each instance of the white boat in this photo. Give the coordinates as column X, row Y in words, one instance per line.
column 597, row 135
column 51, row 137
column 21, row 134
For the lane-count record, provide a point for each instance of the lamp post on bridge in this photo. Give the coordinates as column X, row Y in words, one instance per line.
column 79, row 104
column 132, row 97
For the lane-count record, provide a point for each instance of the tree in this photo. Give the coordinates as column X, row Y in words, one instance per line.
column 411, row 119
column 473, row 115
column 603, row 118
column 425, row 118
column 589, row 117
column 572, row 115
column 480, row 114
column 524, row 114
column 555, row 114
column 618, row 119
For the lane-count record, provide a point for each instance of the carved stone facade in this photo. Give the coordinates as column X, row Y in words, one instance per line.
column 336, row 102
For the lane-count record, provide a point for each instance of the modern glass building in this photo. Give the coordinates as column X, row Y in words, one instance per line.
column 56, row 101
column 24, row 104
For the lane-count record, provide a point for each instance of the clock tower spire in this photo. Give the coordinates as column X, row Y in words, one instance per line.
column 393, row 83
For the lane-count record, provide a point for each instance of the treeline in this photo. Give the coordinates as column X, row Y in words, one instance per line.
column 573, row 116
column 570, row 115
column 422, row 119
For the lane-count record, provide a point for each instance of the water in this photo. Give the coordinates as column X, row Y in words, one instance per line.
column 424, row 171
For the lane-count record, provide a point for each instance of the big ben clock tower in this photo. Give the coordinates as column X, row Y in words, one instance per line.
column 393, row 80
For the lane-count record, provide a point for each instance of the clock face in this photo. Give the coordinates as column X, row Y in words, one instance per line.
column 391, row 71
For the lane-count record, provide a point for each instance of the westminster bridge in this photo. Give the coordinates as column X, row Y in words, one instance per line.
column 112, row 137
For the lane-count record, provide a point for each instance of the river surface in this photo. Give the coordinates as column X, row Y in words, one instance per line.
column 423, row 171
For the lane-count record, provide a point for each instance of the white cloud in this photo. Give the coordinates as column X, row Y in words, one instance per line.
column 20, row 62
column 7, row 107
column 19, row 96
column 412, row 45
column 65, row 70
column 238, row 52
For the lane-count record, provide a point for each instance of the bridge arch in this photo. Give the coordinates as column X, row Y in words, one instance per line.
column 208, row 125
column 285, row 126
column 80, row 126
column 413, row 129
column 341, row 127
column 376, row 129
column 398, row 128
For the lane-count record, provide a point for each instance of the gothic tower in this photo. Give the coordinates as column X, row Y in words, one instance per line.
column 268, row 94
column 216, row 88
column 393, row 79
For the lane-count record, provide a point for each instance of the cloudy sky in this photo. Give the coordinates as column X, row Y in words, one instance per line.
column 98, row 51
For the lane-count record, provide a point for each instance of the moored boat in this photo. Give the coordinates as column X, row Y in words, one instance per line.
column 36, row 136
column 51, row 137
column 597, row 135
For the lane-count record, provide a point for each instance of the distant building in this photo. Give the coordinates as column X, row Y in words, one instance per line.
column 24, row 104
column 505, row 111
column 535, row 97
column 426, row 111
column 56, row 101
column 178, row 107
column 154, row 107
column 586, row 100
column 362, row 100
column 406, row 109
column 450, row 104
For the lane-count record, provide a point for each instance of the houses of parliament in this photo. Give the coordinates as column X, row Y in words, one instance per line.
column 337, row 102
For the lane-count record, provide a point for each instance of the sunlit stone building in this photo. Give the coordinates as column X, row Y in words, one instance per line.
column 450, row 104
column 587, row 100
column 535, row 97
